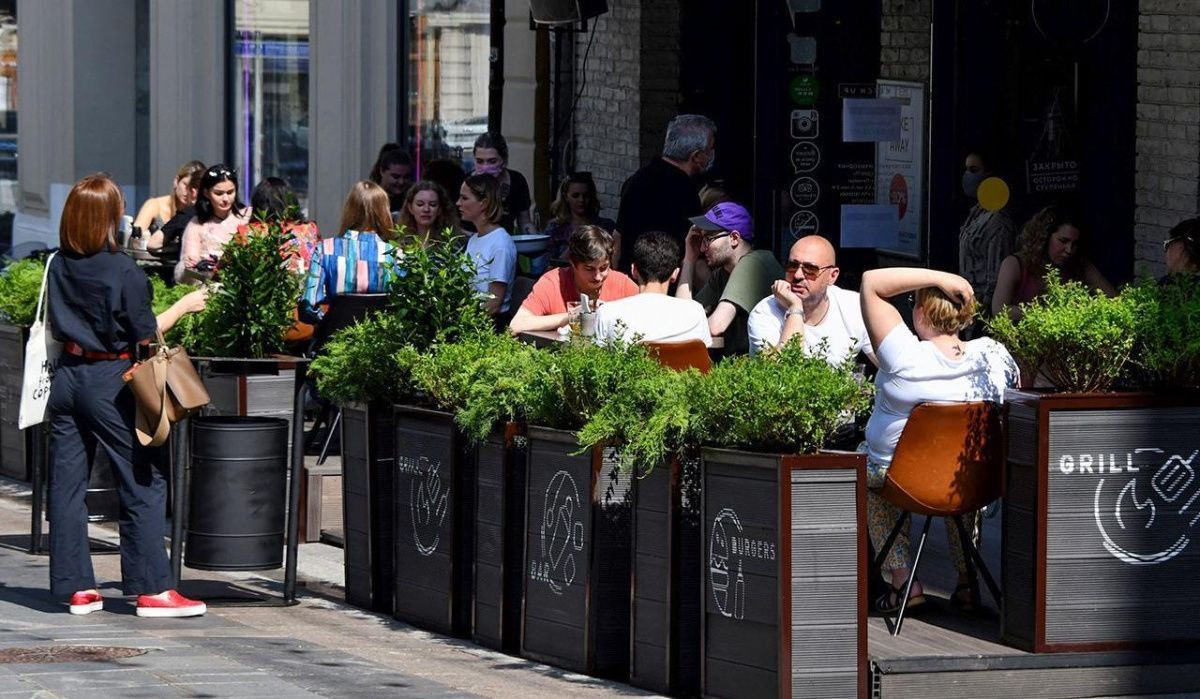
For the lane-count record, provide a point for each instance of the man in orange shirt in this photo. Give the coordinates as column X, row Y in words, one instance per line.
column 590, row 252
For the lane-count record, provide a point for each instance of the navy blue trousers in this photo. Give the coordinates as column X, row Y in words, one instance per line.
column 89, row 408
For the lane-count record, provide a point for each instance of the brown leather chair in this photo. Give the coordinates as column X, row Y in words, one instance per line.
column 681, row 356
column 949, row 462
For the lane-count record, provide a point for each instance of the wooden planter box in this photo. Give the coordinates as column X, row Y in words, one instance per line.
column 434, row 522
column 577, row 560
column 499, row 539
column 665, row 618
column 368, row 493
column 1102, row 493
column 785, row 582
column 14, row 444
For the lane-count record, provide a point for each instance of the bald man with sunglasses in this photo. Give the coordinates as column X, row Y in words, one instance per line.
column 807, row 306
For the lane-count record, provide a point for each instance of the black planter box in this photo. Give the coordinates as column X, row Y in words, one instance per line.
column 665, row 617
column 14, row 445
column 434, row 522
column 368, row 513
column 1101, row 499
column 499, row 539
column 577, row 558
column 785, row 582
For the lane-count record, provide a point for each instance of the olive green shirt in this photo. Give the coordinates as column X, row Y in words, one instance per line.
column 748, row 284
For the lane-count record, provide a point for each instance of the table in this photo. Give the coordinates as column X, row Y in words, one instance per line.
column 179, row 457
column 550, row 338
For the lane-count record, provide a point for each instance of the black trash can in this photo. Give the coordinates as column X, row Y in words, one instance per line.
column 237, row 491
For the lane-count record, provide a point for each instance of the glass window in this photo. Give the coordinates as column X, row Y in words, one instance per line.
column 271, row 93
column 8, row 119
column 449, row 66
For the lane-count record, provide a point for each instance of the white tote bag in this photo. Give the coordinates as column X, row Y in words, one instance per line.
column 41, row 359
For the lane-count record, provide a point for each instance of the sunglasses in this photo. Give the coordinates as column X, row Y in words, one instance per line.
column 810, row 270
column 1176, row 239
column 219, row 172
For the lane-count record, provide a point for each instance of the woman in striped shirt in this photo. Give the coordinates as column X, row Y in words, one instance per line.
column 362, row 260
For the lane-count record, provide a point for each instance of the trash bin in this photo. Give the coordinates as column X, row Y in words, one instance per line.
column 236, row 494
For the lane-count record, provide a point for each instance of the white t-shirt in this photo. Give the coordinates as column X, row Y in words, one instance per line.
column 495, row 258
column 842, row 328
column 656, row 317
column 913, row 371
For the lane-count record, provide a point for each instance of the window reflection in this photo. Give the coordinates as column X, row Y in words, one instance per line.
column 271, row 94
column 8, row 119
column 450, row 48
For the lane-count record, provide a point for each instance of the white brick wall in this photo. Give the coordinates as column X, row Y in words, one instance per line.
column 1168, row 125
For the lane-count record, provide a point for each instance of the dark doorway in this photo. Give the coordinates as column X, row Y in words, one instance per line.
column 1035, row 82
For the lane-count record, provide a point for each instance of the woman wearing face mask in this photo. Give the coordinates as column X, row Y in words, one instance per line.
column 577, row 205
column 985, row 238
column 427, row 214
column 1050, row 239
column 491, row 158
column 218, row 215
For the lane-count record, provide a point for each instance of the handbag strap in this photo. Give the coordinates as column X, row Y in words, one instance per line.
column 38, row 315
column 163, row 428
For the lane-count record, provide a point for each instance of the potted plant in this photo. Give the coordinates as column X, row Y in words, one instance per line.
column 1101, row 484
column 783, row 529
column 360, row 371
column 481, row 379
column 20, row 283
column 653, row 419
column 576, row 608
column 433, row 302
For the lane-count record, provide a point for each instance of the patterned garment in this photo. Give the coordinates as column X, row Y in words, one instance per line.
column 355, row 262
column 882, row 516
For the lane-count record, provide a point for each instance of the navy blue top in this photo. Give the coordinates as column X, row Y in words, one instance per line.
column 101, row 301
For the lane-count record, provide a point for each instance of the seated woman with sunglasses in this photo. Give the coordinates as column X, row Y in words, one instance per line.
column 806, row 305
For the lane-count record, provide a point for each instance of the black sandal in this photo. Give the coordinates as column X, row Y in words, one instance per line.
column 889, row 602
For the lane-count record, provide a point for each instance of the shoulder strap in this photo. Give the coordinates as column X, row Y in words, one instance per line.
column 38, row 315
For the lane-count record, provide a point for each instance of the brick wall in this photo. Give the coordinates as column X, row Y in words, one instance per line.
column 660, row 73
column 607, row 117
column 1168, row 124
column 904, row 40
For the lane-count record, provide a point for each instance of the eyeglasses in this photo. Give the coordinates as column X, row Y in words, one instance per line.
column 710, row 239
column 810, row 270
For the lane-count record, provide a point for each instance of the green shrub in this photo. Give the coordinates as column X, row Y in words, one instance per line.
column 367, row 361
column 446, row 373
column 434, row 295
column 503, row 386
column 1166, row 352
column 253, row 305
column 186, row 330
column 580, row 378
column 1078, row 338
column 20, row 284
column 788, row 403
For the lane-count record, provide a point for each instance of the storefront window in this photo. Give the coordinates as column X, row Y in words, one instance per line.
column 8, row 119
column 271, row 94
column 449, row 67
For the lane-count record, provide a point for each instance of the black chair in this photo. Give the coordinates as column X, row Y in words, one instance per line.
column 344, row 310
column 521, row 287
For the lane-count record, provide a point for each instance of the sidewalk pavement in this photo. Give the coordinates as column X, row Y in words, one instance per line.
column 319, row 648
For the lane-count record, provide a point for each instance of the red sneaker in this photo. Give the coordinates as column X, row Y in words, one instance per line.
column 169, row 604
column 86, row 602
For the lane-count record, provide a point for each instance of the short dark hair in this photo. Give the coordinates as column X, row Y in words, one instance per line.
column 493, row 140
column 272, row 198
column 656, row 255
column 396, row 156
column 590, row 244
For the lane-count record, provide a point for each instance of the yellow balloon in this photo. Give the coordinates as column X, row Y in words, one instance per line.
column 993, row 194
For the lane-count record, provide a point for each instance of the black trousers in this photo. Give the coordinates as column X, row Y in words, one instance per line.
column 90, row 407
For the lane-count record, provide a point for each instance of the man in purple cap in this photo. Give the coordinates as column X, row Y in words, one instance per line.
column 740, row 275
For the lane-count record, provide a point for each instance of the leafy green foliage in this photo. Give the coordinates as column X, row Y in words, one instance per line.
column 186, row 330
column 653, row 417
column 446, row 373
column 252, row 307
column 367, row 361
column 434, row 295
column 1166, row 353
column 502, row 387
column 581, row 377
column 1078, row 338
column 20, row 284
column 790, row 403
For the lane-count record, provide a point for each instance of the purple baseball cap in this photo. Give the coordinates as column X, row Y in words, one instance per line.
column 726, row 216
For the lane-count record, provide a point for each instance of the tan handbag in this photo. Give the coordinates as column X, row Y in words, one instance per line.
column 166, row 389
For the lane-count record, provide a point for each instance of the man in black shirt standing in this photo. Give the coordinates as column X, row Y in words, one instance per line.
column 663, row 195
